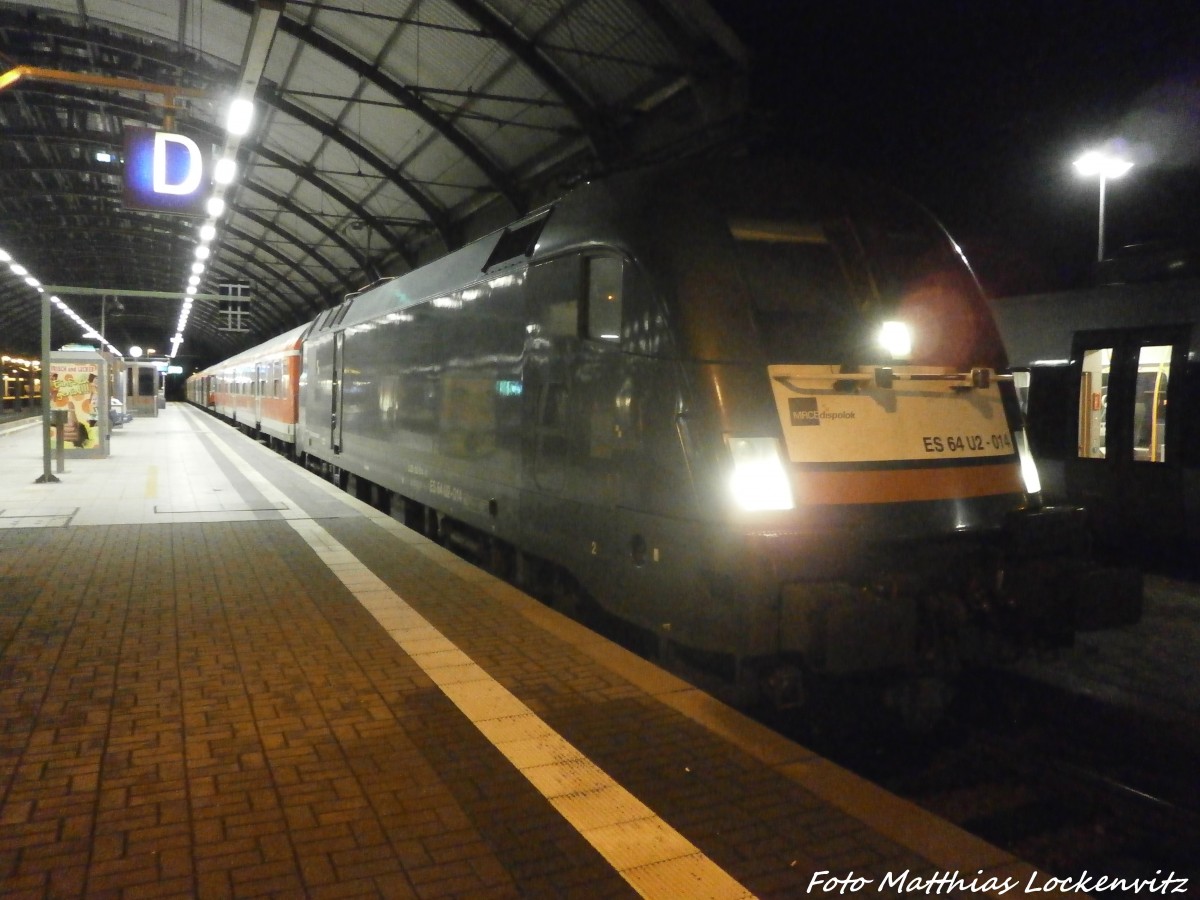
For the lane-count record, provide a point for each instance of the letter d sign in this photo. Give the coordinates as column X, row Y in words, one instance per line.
column 193, row 171
column 164, row 172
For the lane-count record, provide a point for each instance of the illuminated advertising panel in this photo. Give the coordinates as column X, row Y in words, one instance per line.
column 79, row 391
column 165, row 172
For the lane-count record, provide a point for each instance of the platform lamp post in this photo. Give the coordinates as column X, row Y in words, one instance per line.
column 47, row 477
column 1098, row 163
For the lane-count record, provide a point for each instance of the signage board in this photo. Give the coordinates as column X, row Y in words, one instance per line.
column 924, row 417
column 165, row 172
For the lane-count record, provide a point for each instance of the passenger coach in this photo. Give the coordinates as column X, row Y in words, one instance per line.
column 1109, row 381
column 258, row 389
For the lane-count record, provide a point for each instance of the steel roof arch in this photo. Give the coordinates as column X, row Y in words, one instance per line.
column 509, row 98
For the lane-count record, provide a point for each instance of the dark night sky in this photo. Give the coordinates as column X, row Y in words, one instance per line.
column 978, row 107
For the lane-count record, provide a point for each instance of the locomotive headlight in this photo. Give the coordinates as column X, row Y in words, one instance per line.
column 896, row 339
column 1029, row 472
column 759, row 480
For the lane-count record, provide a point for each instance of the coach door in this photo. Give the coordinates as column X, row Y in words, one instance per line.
column 261, row 371
column 335, row 417
column 1127, row 468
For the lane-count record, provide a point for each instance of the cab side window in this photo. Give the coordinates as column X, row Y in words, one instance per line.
column 581, row 296
column 555, row 285
column 604, row 298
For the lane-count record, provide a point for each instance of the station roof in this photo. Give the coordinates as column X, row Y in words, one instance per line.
column 386, row 132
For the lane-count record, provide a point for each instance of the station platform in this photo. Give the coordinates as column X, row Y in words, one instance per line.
column 223, row 677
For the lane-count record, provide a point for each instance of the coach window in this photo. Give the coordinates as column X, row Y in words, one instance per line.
column 1150, row 404
column 1139, row 379
column 1093, row 403
column 604, row 298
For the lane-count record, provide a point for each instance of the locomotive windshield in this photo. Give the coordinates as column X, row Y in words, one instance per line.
column 820, row 289
column 791, row 269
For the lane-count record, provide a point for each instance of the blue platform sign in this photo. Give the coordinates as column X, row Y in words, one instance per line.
column 165, row 172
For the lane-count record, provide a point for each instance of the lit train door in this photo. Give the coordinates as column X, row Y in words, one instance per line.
column 1127, row 469
column 335, row 415
column 260, row 379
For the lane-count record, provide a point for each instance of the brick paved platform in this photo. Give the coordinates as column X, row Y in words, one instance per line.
column 223, row 678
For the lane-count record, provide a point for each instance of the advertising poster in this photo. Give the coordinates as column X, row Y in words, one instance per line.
column 74, row 387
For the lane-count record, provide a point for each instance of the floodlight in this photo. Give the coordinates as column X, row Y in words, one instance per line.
column 241, row 114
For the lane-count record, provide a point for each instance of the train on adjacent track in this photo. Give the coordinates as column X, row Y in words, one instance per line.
column 755, row 410
column 1110, row 387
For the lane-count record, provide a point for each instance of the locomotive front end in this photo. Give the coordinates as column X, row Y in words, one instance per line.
column 885, row 510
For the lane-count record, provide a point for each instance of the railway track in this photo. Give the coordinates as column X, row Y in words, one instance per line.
column 1064, row 782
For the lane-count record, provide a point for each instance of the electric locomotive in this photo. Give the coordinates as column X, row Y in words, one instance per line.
column 756, row 410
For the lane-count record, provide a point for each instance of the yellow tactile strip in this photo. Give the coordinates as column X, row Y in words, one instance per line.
column 655, row 859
